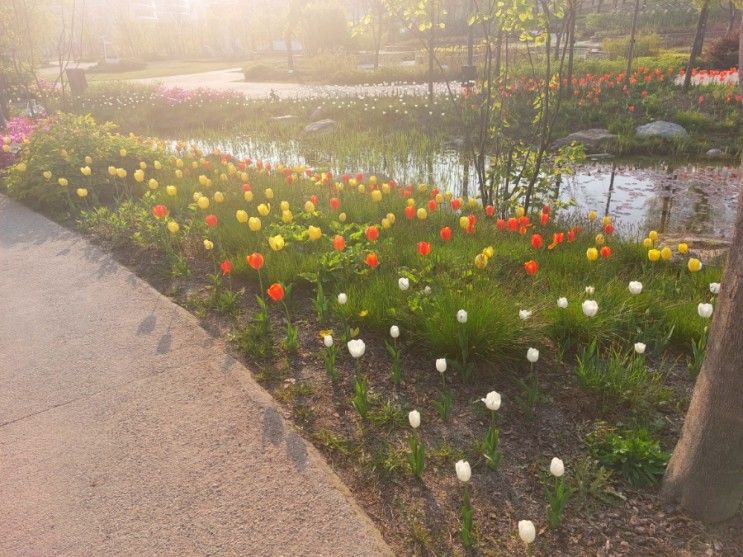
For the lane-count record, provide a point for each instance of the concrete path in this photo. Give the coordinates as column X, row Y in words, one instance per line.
column 125, row 429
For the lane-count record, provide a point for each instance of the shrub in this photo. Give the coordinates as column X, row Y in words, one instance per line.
column 722, row 53
column 645, row 45
column 633, row 453
column 120, row 66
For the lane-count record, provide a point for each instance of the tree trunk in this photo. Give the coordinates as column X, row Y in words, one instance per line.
column 631, row 47
column 696, row 48
column 705, row 473
column 571, row 47
column 431, row 43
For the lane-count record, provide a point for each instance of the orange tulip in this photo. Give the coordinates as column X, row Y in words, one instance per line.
column 276, row 292
column 255, row 260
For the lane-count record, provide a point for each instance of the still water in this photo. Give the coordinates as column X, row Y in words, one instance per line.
column 696, row 199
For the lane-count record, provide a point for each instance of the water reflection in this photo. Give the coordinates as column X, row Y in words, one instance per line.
column 697, row 199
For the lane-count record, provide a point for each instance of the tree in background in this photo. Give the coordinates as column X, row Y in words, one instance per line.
column 696, row 47
column 705, row 473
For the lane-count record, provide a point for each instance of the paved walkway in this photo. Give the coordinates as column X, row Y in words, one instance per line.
column 125, row 429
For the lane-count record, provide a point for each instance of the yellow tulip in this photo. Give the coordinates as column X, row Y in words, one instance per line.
column 85, row 171
column 464, row 222
column 520, row 212
column 683, row 247
column 218, row 197
column 195, row 165
column 179, row 173
column 422, row 214
column 122, row 152
column 666, row 254
column 410, row 202
column 647, row 242
column 208, row 245
column 592, row 254
column 241, row 216
column 386, row 188
column 6, row 140
column 178, row 163
column 361, row 188
column 339, row 186
column 694, row 265
column 196, row 195
column 158, row 165
column 391, row 217
column 309, row 207
column 422, row 188
column 248, row 196
column 264, row 209
column 342, row 217
column 439, row 198
column 606, row 220
column 47, row 175
column 376, row 195
column 223, row 177
column 203, row 202
column 171, row 191
column 63, row 182
column 268, row 192
column 592, row 215
column 203, row 180
column 599, row 239
column 653, row 255
column 489, row 251
column 386, row 223
column 88, row 160
column 153, row 184
column 81, row 192
column 143, row 165
column 254, row 223
column 6, row 149
column 448, row 195
column 21, row 167
column 276, row 242
column 472, row 202
column 373, row 180
column 243, row 176
column 352, row 182
column 287, row 216
column 653, row 235
column 481, row 261
column 284, row 205
column 314, row 233
column 121, row 173
column 111, row 171
column 139, row 175
column 173, row 227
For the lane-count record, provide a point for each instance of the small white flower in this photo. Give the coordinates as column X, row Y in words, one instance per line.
column 356, row 347
column 492, row 400
column 562, row 303
column 394, row 331
column 414, row 417
column 527, row 532
column 342, row 298
column 590, row 308
column 640, row 347
column 403, row 283
column 427, row 290
column 524, row 314
column 590, row 290
column 462, row 316
column 441, row 365
column 532, row 355
column 635, row 287
column 714, row 287
column 705, row 310
column 464, row 472
column 557, row 468
column 327, row 341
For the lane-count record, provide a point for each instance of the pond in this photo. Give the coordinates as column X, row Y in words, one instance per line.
column 696, row 199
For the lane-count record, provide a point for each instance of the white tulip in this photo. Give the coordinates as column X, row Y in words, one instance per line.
column 705, row 310
column 464, row 472
column 403, row 283
column 635, row 287
column 356, row 347
column 532, row 355
column 714, row 287
column 590, row 290
column 427, row 290
column 590, row 308
column 414, row 417
column 327, row 341
column 524, row 314
column 462, row 316
column 492, row 400
column 394, row 331
column 557, row 468
column 640, row 347
column 527, row 532
column 562, row 303
column 342, row 298
column 441, row 365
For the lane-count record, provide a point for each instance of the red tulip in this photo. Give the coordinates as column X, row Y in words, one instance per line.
column 456, row 203
column 445, row 233
column 471, row 225
column 609, row 228
column 335, row 203
column 160, row 211
column 605, row 252
column 501, row 224
column 513, row 224
column 359, row 177
column 372, row 233
column 531, row 267
column 211, row 220
column 410, row 212
column 424, row 248
column 313, row 198
column 255, row 260
column 276, row 292
column 339, row 243
column 226, row 267
column 571, row 234
column 544, row 218
column 536, row 241
column 246, row 187
column 372, row 260
column 489, row 210
column 546, row 209
column 432, row 205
